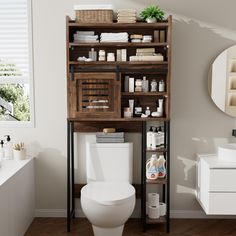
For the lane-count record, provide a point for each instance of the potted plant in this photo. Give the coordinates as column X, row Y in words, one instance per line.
column 152, row 14
column 19, row 151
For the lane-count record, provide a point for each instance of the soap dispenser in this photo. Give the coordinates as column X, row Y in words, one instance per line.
column 8, row 148
column 1, row 152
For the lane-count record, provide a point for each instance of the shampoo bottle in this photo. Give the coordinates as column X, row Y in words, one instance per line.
column 154, row 139
column 8, row 149
column 1, row 152
column 149, row 138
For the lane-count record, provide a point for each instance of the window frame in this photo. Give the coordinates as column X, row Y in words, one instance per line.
column 31, row 122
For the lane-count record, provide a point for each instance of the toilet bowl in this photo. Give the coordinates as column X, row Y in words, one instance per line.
column 108, row 205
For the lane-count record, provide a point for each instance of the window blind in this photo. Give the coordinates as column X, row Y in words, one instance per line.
column 14, row 41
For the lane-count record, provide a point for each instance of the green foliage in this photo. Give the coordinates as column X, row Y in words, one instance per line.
column 14, row 93
column 152, row 12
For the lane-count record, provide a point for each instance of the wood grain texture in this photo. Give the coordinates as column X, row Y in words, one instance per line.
column 81, row 227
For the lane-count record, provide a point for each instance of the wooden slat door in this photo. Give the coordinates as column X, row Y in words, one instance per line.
column 94, row 95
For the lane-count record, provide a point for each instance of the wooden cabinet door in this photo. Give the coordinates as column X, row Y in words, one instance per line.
column 94, row 95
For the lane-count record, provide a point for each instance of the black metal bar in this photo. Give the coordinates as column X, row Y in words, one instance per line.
column 165, row 146
column 143, row 176
column 168, row 179
column 72, row 72
column 72, row 170
column 117, row 73
column 68, row 176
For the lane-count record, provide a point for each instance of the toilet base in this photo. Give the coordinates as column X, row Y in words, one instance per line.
column 116, row 231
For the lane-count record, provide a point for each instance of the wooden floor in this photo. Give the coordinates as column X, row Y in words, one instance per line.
column 81, row 227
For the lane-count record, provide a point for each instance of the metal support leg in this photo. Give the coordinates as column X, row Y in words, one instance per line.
column 168, row 179
column 143, row 176
column 68, row 175
column 72, row 171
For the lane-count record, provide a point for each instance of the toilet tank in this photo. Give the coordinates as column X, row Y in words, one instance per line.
column 109, row 162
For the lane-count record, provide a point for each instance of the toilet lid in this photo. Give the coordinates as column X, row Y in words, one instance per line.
column 108, row 193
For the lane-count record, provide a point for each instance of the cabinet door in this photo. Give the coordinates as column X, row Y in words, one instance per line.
column 94, row 95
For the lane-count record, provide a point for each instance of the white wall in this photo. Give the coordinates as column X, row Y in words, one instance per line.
column 201, row 30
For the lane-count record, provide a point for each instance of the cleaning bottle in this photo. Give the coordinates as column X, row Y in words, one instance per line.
column 161, row 166
column 151, row 168
column 8, row 148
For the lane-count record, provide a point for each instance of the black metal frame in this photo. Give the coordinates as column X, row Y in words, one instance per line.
column 166, row 187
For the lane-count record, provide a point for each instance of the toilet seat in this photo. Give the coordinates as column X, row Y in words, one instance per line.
column 108, row 193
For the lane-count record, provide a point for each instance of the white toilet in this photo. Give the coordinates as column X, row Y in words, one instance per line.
column 108, row 199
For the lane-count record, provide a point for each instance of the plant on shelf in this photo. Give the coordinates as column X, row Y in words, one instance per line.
column 152, row 14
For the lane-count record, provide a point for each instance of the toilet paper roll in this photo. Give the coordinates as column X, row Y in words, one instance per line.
column 153, row 199
column 153, row 212
column 162, row 208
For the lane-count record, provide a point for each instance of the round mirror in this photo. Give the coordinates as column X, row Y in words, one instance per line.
column 222, row 81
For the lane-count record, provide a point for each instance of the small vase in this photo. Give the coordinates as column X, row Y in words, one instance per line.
column 151, row 20
column 19, row 154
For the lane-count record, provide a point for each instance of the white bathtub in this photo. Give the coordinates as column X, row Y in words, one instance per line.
column 17, row 197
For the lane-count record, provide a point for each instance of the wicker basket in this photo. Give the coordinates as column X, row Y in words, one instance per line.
column 94, row 16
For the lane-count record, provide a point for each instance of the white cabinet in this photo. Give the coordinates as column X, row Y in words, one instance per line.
column 216, row 185
column 17, row 197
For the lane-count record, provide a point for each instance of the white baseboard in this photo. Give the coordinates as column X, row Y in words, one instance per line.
column 174, row 214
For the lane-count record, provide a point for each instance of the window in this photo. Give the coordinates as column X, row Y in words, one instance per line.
column 16, row 75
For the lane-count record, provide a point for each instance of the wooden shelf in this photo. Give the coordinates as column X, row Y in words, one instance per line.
column 118, row 44
column 134, row 119
column 157, row 181
column 119, row 63
column 115, row 25
column 160, row 150
column 144, row 94
column 160, row 220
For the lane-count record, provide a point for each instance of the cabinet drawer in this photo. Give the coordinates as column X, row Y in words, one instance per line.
column 222, row 203
column 222, row 180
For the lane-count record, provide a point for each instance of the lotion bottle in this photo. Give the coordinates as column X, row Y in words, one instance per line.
column 8, row 149
column 149, row 138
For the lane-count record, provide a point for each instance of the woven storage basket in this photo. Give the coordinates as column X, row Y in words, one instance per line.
column 94, row 16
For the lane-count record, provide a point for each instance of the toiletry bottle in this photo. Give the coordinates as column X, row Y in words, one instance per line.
column 131, row 105
column 160, row 106
column 147, row 111
column 138, row 85
column 161, row 166
column 93, row 54
column 2, row 156
column 162, row 137
column 153, row 86
column 137, row 109
column 161, row 86
column 149, row 138
column 8, row 149
column 151, row 168
column 154, row 138
column 145, row 84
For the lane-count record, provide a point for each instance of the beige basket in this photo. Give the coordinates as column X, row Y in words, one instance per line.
column 94, row 16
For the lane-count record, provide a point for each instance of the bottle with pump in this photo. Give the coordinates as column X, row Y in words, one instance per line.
column 155, row 139
column 151, row 168
column 149, row 138
column 162, row 137
column 2, row 156
column 8, row 148
column 148, row 112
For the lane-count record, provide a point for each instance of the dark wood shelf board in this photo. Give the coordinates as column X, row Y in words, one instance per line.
column 115, row 25
column 157, row 181
column 115, row 44
column 81, row 63
column 160, row 150
column 144, row 94
column 134, row 119
column 160, row 220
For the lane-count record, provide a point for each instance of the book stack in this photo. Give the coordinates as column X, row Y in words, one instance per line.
column 85, row 37
column 117, row 137
column 146, row 54
column 126, row 16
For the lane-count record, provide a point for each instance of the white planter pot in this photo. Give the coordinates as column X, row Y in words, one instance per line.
column 151, row 20
column 19, row 155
